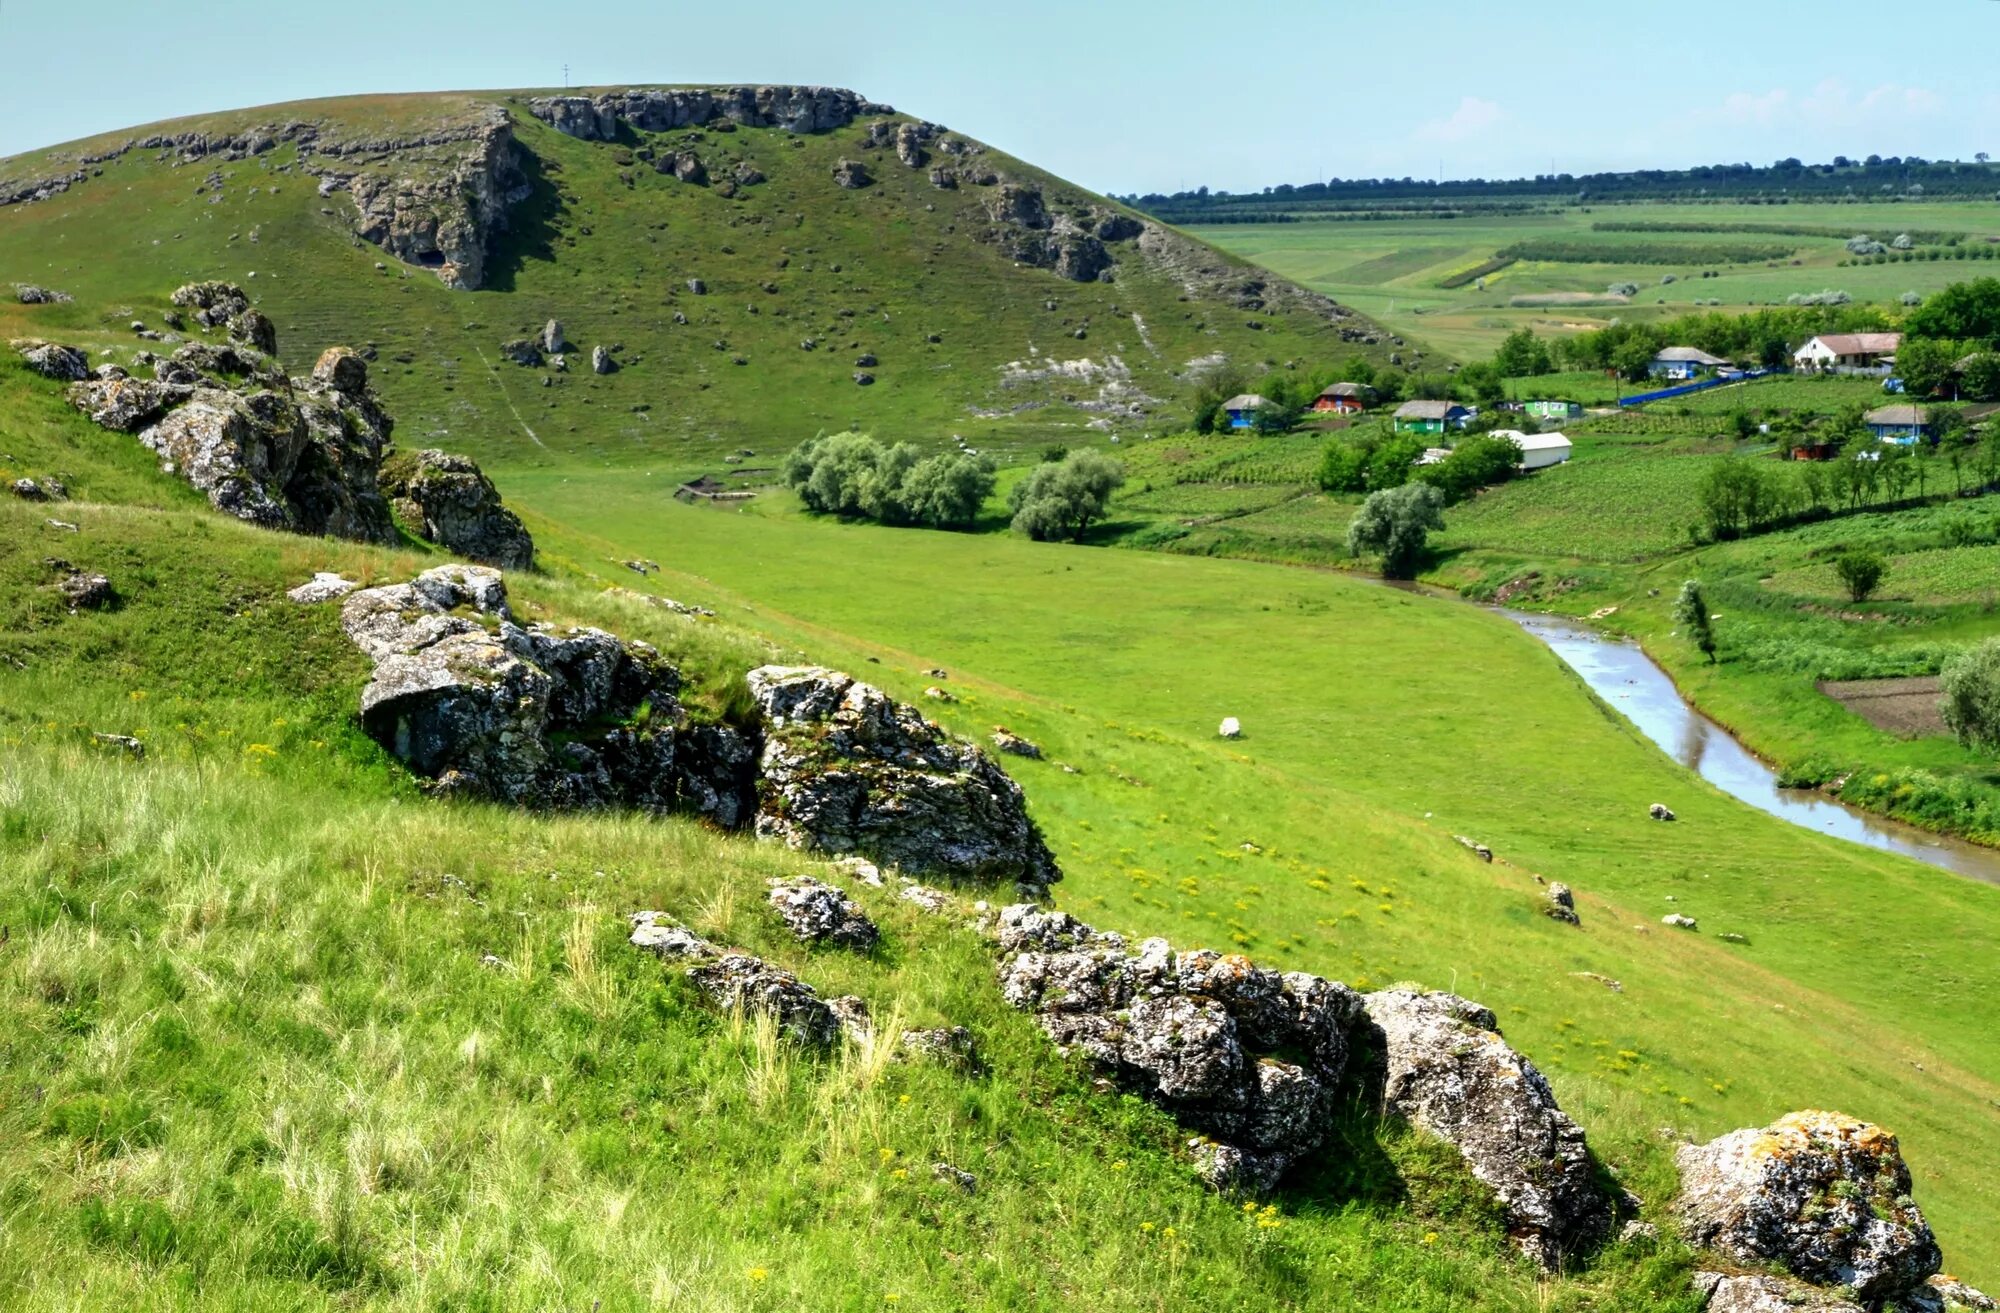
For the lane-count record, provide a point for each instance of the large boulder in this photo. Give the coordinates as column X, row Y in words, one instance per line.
column 847, row 769
column 1246, row 1056
column 1446, row 1068
column 448, row 500
column 65, row 364
column 534, row 716
column 214, row 304
column 127, row 405
column 1752, row 1293
column 1821, row 1193
column 239, row 450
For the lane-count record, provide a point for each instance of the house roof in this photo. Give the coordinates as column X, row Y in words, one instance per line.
column 1427, row 409
column 1858, row 344
column 1899, row 415
column 1688, row 355
column 1244, row 401
column 1535, row 441
column 1356, row 390
column 1550, row 401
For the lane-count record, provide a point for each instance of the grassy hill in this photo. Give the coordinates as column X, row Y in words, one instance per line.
column 282, row 1032
column 899, row 270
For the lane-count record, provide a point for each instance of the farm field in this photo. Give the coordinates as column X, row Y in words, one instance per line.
column 1391, row 269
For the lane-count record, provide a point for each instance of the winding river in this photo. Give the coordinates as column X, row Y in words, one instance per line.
column 1624, row 676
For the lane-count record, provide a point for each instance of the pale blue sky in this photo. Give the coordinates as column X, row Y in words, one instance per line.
column 1121, row 95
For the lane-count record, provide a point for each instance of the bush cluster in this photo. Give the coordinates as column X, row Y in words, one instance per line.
column 1062, row 499
column 854, row 476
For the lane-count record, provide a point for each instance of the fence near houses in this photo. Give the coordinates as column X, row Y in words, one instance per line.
column 1704, row 385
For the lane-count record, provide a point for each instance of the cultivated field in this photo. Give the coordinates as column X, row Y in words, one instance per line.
column 1393, row 269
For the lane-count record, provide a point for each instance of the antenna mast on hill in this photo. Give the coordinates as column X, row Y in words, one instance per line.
column 565, row 77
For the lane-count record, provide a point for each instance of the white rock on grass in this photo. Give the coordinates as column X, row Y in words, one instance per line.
column 324, row 586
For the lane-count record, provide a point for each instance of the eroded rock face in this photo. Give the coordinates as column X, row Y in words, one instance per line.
column 1446, row 1068
column 731, row 981
column 1823, row 1194
column 440, row 204
column 793, row 108
column 1241, row 1053
column 448, row 500
column 846, row 769
column 818, row 913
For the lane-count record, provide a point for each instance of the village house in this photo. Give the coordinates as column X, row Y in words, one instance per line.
column 1430, row 416
column 1902, row 425
column 1538, row 450
column 1242, row 409
column 1345, row 399
column 1845, row 351
column 1557, row 410
column 1683, row 362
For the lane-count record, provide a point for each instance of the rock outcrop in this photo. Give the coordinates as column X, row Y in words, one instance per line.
column 534, row 716
column 818, row 913
column 287, row 453
column 450, row 501
column 1823, row 1194
column 1446, row 1068
column 734, row 981
column 441, row 204
column 846, row 769
column 794, row 108
column 1241, row 1053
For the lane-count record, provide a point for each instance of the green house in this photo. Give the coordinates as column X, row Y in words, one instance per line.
column 1430, row 416
column 1557, row 410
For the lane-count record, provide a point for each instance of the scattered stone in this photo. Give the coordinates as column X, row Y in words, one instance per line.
column 951, row 1046
column 1943, row 1292
column 1616, row 987
column 1479, row 850
column 28, row 490
column 1680, row 922
column 29, row 294
column 125, row 743
column 936, row 694
column 819, row 913
column 324, row 586
column 864, row 380
column 1638, row 1232
column 1014, row 745
column 1562, row 904
column 861, row 869
column 1731, row 937
column 65, row 364
column 1231, row 728
column 697, row 286
column 1822, row 1194
column 214, row 303
column 254, row 329
column 1198, row 1033
column 1448, row 1070
column 965, row 1181
column 747, row 175
column 554, row 341
column 601, row 361
column 934, row 901
column 848, row 769
column 851, row 174
column 448, row 500
column 85, row 590
column 732, row 981
column 1659, row 811
column 64, row 525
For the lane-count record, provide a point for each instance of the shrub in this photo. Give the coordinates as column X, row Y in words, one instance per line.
column 1860, row 571
column 1395, row 524
column 1970, row 683
column 853, row 475
column 1063, row 500
column 1691, row 614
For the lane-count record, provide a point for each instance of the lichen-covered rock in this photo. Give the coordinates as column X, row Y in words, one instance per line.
column 467, row 698
column 214, row 304
column 238, row 453
column 951, row 1046
column 1446, row 1068
column 343, row 370
column 65, row 364
column 127, row 405
column 85, row 590
column 1014, row 745
column 1019, row 205
column 1562, row 904
column 1241, row 1053
column 851, row 174
column 448, row 500
column 1823, row 1194
column 324, row 586
column 601, row 361
column 846, row 769
column 818, row 913
column 1750, row 1293
column 254, row 329
column 1946, row 1294
column 29, row 294
column 731, row 981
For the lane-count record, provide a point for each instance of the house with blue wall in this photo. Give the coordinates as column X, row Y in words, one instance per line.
column 1902, row 425
column 1681, row 363
column 1242, row 409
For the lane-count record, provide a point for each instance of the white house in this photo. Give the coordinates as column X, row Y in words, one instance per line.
column 1538, row 450
column 1847, row 351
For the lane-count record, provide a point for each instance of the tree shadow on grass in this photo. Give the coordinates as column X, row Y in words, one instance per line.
column 533, row 224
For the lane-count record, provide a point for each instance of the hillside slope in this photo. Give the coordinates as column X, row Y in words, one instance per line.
column 701, row 237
